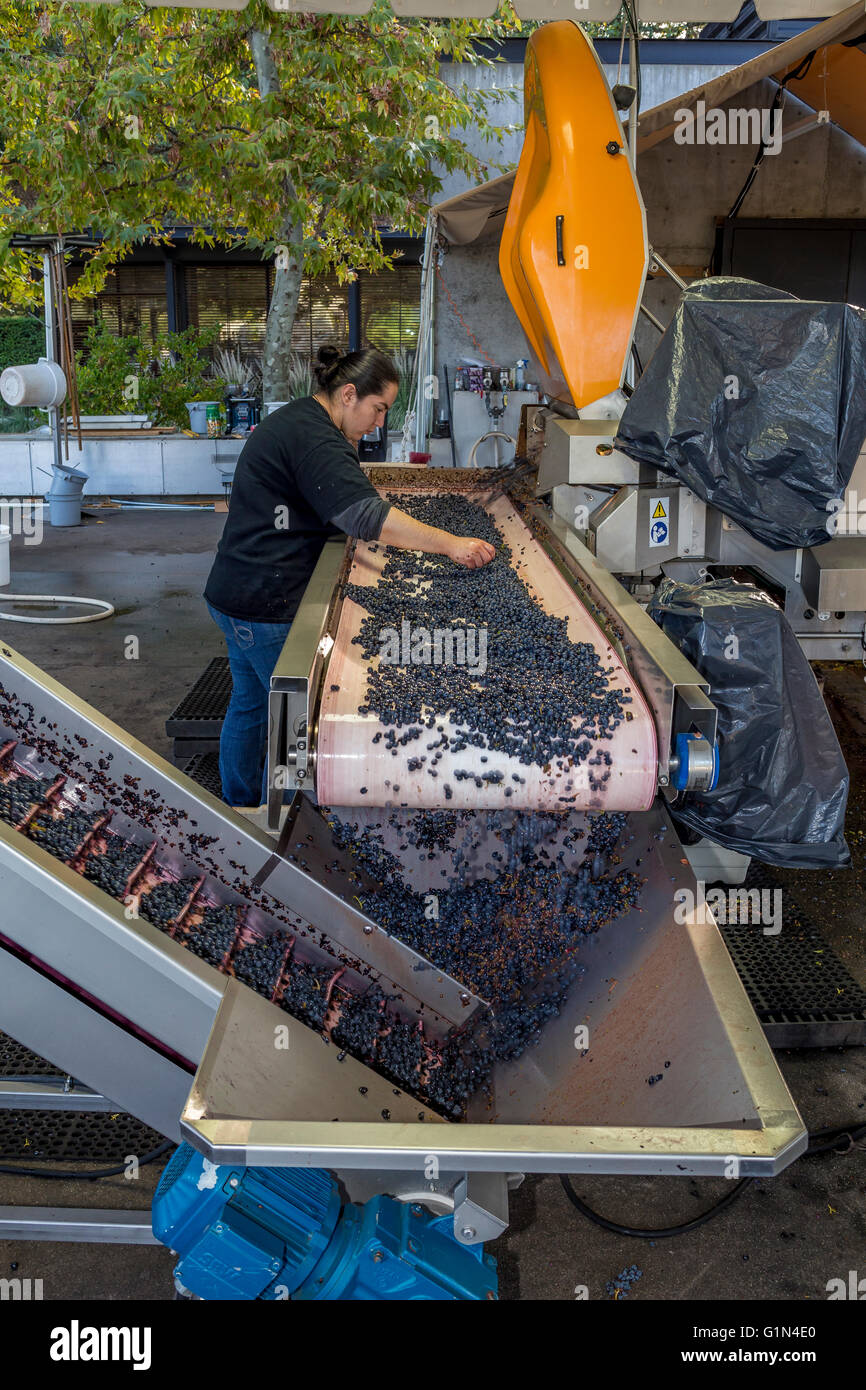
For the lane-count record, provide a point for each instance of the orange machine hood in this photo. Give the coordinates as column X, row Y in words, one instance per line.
column 573, row 254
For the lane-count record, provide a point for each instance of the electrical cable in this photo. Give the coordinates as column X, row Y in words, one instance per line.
column 795, row 73
column 8, row 1166
column 831, row 1136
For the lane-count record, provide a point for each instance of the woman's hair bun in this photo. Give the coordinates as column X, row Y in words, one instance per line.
column 327, row 361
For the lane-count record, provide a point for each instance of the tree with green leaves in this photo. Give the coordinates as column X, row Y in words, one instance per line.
column 299, row 135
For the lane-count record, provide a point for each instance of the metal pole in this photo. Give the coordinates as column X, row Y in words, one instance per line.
column 652, row 318
column 632, row 77
column 668, row 270
column 50, row 351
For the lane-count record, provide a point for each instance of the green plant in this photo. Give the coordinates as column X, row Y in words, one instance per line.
column 22, row 340
column 299, row 375
column 123, row 374
column 108, row 372
column 179, row 373
column 404, row 361
column 296, row 140
column 229, row 366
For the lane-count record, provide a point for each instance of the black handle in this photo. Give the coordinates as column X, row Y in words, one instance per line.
column 560, row 254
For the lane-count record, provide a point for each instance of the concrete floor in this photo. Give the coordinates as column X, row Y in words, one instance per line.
column 784, row 1239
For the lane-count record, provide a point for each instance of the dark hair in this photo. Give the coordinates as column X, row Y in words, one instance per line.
column 368, row 371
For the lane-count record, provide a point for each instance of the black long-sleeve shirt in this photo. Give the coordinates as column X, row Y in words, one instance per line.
column 296, row 479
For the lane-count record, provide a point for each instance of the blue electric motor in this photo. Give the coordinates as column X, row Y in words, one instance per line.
column 279, row 1233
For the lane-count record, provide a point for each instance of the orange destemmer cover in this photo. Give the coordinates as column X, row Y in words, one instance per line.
column 573, row 254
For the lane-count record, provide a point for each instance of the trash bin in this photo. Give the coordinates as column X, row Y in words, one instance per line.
column 64, row 495
column 198, row 415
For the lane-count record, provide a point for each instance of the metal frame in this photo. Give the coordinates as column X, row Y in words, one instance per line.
column 296, row 679
column 79, row 1224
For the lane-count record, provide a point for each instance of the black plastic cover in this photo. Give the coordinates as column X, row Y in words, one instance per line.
column 756, row 400
column 783, row 782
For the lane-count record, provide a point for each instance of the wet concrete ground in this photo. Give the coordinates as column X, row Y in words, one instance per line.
column 784, row 1239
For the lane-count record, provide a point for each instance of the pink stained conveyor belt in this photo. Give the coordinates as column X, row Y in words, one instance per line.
column 347, row 759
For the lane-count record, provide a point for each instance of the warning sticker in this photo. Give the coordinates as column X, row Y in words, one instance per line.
column 659, row 514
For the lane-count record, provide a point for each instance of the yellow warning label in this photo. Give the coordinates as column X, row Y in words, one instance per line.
column 659, row 511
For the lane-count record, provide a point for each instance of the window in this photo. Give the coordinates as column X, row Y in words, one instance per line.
column 390, row 308
column 323, row 315
column 132, row 302
column 232, row 298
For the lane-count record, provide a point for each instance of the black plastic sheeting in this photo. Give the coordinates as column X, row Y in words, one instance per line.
column 783, row 783
column 756, row 400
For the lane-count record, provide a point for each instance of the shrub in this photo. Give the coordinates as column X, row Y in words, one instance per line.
column 116, row 375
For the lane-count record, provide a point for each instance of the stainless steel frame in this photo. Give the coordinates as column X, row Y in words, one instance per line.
column 296, row 679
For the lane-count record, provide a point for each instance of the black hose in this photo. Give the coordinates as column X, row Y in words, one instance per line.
column 6, row 1166
column 830, row 1140
column 652, row 1232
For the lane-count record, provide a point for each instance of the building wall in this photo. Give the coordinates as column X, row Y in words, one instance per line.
column 686, row 189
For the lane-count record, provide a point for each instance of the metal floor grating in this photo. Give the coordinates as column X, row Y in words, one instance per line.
column 64, row 1135
column 201, row 712
column 80, row 1135
column 18, row 1061
column 204, row 768
column 798, row 987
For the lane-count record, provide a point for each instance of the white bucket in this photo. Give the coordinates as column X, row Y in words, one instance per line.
column 5, row 546
column 41, row 384
column 269, row 406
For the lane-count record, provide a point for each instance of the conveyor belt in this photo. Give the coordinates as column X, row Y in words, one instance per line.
column 357, row 766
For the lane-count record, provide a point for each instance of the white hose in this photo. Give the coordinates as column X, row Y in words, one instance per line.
column 106, row 609
column 491, row 434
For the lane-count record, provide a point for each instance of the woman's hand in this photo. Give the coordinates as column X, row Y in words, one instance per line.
column 404, row 531
column 472, row 553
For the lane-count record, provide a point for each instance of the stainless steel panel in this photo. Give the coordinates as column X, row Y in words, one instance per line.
column 581, row 451
column 653, row 991
column 48, row 1019
column 127, row 963
column 35, row 1095
column 834, row 575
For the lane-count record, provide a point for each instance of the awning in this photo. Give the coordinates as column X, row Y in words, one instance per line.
column 464, row 217
column 835, row 82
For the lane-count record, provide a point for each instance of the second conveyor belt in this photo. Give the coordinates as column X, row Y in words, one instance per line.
column 357, row 766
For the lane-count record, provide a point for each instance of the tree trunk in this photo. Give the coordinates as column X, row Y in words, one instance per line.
column 288, row 277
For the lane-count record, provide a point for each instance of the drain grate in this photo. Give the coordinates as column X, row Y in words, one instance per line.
column 202, row 710
column 37, row 1135
column 798, row 987
column 204, row 768
column 17, row 1060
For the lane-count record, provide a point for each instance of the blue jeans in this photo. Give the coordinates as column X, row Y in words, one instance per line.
column 253, row 650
